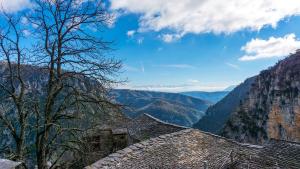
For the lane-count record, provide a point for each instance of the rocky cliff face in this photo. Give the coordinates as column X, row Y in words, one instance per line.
column 217, row 115
column 271, row 110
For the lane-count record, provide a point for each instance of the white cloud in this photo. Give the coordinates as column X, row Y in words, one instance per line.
column 26, row 33
column 193, row 81
column 130, row 68
column 112, row 17
column 174, row 88
column 92, row 28
column 179, row 66
column 142, row 67
column 232, row 65
column 168, row 38
column 202, row 16
column 134, row 69
column 140, row 40
column 273, row 47
column 130, row 33
column 34, row 25
column 24, row 20
column 14, row 5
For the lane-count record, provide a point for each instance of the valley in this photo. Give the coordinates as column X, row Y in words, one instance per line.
column 169, row 107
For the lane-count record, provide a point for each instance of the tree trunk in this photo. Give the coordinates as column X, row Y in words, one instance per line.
column 41, row 156
column 19, row 150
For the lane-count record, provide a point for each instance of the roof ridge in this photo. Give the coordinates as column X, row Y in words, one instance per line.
column 231, row 140
column 163, row 122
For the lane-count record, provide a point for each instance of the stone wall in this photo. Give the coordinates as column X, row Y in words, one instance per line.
column 104, row 142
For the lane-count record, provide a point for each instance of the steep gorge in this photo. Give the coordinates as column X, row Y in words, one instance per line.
column 217, row 114
column 271, row 110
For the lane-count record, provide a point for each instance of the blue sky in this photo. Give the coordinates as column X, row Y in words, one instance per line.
column 208, row 45
column 196, row 61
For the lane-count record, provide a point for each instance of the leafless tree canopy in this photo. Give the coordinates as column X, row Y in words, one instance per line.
column 58, row 97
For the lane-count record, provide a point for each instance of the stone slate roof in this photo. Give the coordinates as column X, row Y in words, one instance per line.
column 192, row 148
column 147, row 126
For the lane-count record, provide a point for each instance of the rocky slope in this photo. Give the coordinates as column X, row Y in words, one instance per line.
column 36, row 78
column 218, row 114
column 169, row 107
column 271, row 110
column 213, row 97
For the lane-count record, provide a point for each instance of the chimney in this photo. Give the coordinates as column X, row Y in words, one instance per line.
column 205, row 164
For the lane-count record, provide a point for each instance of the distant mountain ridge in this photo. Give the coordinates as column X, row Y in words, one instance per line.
column 169, row 107
column 213, row 97
column 230, row 88
column 217, row 115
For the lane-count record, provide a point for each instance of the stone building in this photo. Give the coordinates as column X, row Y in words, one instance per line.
column 192, row 148
column 109, row 139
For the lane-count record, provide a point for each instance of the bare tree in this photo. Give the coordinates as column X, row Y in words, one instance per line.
column 13, row 112
column 73, row 72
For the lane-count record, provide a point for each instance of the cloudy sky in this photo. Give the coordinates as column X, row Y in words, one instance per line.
column 176, row 45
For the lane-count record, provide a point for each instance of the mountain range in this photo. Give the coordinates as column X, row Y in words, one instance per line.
column 169, row 107
column 213, row 97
